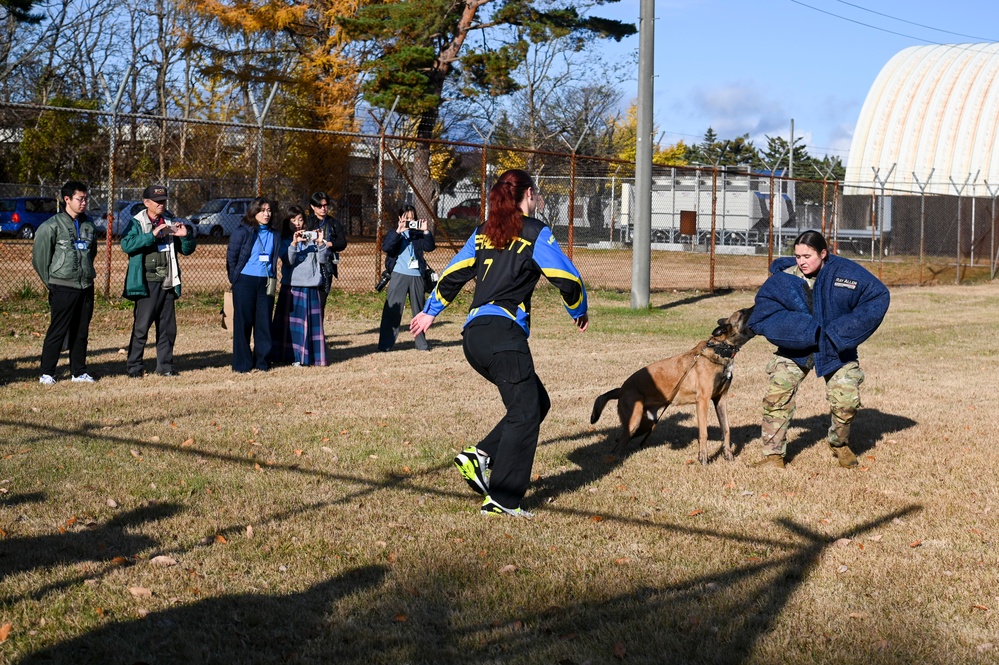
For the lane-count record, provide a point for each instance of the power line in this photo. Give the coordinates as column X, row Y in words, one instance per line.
column 918, row 25
column 866, row 25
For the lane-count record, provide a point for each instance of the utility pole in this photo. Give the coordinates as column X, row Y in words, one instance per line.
column 641, row 241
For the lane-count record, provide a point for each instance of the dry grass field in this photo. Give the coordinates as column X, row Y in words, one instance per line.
column 312, row 515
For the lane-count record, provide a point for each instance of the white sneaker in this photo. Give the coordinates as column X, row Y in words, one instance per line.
column 47, row 380
column 83, row 378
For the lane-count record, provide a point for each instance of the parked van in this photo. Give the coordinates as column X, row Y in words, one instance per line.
column 219, row 217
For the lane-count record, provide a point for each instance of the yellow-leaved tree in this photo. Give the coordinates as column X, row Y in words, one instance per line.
column 625, row 134
column 300, row 47
column 297, row 45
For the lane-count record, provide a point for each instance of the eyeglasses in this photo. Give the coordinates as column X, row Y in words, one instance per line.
column 321, row 205
column 81, row 199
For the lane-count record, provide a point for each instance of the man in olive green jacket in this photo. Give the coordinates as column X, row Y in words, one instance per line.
column 63, row 256
column 153, row 243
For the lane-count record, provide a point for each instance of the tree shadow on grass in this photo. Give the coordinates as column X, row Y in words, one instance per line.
column 709, row 618
column 108, row 542
column 446, row 611
column 245, row 628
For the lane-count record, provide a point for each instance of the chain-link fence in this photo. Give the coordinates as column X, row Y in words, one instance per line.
column 712, row 228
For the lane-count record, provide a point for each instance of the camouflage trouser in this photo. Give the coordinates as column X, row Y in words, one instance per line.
column 842, row 391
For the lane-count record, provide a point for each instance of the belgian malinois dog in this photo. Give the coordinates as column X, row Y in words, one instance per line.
column 700, row 375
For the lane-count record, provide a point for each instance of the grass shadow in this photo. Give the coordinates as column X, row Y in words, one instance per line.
column 696, row 298
column 717, row 616
column 246, row 628
column 100, row 369
column 868, row 428
column 95, row 542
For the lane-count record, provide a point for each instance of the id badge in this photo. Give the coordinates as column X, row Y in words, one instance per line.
column 163, row 247
column 265, row 258
column 414, row 264
column 81, row 245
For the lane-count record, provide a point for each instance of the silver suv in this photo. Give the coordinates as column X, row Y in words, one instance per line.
column 219, row 217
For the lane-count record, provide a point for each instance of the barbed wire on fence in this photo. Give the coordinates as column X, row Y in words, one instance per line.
column 712, row 226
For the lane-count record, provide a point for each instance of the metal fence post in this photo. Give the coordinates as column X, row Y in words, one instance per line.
column 572, row 182
column 922, row 220
column 115, row 104
column 770, row 235
column 572, row 200
column 484, row 168
column 960, row 191
column 711, row 240
column 260, row 130
column 877, row 220
column 993, row 193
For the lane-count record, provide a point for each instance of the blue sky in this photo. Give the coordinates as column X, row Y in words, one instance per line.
column 741, row 66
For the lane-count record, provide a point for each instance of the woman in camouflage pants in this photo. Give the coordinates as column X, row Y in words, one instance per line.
column 817, row 308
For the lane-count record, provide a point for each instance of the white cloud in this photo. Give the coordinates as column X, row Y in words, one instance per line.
column 735, row 109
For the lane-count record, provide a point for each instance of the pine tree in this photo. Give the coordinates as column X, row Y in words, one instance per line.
column 422, row 48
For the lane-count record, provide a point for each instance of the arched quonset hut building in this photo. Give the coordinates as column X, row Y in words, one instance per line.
column 932, row 114
column 931, row 109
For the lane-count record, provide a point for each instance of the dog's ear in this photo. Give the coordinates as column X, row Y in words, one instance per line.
column 722, row 328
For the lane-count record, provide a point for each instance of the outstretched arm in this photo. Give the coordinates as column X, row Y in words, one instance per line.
column 561, row 272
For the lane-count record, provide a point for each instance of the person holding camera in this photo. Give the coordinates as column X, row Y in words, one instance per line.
column 297, row 330
column 404, row 270
column 250, row 263
column 335, row 240
column 506, row 256
column 152, row 280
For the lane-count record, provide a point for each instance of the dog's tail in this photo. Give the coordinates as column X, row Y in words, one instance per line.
column 598, row 405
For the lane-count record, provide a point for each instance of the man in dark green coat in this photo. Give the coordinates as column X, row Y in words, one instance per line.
column 63, row 256
column 153, row 243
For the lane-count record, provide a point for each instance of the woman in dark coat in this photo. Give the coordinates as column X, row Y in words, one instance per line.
column 251, row 261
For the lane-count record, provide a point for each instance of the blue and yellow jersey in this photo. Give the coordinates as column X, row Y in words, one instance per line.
column 505, row 277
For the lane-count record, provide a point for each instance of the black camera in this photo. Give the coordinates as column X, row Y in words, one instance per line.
column 386, row 276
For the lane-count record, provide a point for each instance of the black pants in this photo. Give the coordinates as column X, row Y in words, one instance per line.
column 71, row 310
column 158, row 308
column 497, row 349
column 251, row 317
column 395, row 299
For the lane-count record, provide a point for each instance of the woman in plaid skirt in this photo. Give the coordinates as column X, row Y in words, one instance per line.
column 297, row 328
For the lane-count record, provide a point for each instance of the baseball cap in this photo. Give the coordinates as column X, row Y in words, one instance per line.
column 156, row 193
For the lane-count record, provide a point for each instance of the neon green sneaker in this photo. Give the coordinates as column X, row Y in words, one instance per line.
column 490, row 507
column 472, row 464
